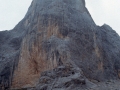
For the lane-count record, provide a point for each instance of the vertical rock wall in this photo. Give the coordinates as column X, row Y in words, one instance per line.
column 57, row 33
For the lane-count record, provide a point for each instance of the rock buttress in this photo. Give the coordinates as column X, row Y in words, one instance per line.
column 58, row 33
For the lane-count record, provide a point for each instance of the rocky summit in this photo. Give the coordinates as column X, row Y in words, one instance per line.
column 58, row 46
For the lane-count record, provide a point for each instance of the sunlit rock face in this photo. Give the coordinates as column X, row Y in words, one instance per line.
column 56, row 35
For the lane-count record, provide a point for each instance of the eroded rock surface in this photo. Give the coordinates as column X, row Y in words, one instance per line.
column 58, row 38
column 63, row 78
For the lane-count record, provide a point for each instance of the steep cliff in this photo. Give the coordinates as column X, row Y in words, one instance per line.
column 58, row 41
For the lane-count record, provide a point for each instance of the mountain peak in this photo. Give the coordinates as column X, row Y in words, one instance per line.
column 58, row 46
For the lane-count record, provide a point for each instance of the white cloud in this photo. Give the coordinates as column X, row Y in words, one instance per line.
column 105, row 11
column 11, row 12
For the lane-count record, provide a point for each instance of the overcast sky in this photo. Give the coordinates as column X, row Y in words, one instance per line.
column 102, row 11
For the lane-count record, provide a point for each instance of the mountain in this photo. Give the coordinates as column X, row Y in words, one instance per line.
column 58, row 46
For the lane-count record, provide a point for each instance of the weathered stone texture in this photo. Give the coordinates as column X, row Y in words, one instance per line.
column 55, row 35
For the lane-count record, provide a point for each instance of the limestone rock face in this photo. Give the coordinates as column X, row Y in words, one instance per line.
column 55, row 34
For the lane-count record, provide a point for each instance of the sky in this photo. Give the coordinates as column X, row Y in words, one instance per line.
column 102, row 11
column 105, row 11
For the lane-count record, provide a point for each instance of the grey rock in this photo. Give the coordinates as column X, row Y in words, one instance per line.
column 58, row 43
